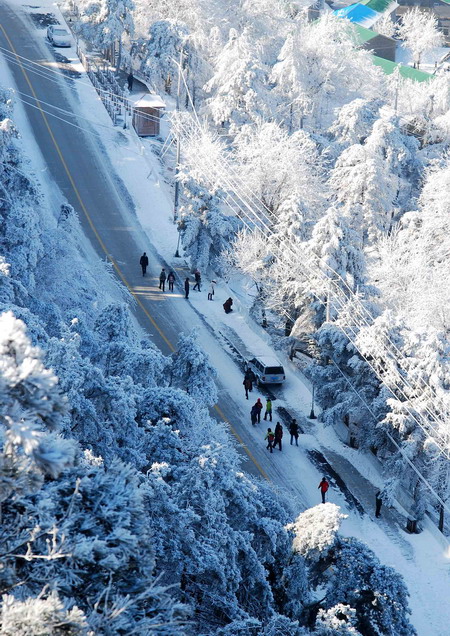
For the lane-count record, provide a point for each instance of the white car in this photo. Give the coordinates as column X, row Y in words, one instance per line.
column 267, row 370
column 58, row 36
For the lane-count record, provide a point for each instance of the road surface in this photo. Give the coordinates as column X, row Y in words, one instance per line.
column 88, row 181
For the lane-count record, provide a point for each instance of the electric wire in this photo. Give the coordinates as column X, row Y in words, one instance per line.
column 428, row 425
column 361, row 308
column 25, row 63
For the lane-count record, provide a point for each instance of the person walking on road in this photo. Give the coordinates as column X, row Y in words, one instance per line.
column 198, row 280
column 270, row 438
column 254, row 415
column 211, row 290
column 258, row 406
column 293, row 430
column 130, row 80
column 171, row 280
column 378, row 504
column 249, row 375
column 324, row 485
column 247, row 386
column 186, row 288
column 268, row 409
column 162, row 279
column 278, row 435
column 144, row 263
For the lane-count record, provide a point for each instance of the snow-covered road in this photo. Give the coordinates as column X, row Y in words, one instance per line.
column 125, row 208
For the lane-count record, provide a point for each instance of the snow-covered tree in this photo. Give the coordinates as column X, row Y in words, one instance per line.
column 239, row 87
column 105, row 22
column 192, row 371
column 420, row 33
column 371, row 180
column 31, row 406
column 205, row 227
column 318, row 69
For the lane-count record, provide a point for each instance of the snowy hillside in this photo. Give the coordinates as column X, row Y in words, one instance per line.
column 314, row 190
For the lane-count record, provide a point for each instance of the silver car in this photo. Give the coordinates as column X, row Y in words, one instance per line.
column 266, row 369
column 58, row 36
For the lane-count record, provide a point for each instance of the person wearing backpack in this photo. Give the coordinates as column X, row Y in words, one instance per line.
column 171, row 280
column 254, row 415
column 162, row 279
column 270, row 439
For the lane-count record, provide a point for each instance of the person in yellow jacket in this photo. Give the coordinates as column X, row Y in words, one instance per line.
column 268, row 409
column 270, row 437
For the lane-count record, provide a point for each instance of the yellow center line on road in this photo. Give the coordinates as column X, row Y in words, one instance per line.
column 108, row 255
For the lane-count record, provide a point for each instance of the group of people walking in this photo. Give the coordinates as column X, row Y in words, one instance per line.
column 170, row 279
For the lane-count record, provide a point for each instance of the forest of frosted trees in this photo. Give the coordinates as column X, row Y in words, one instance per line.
column 123, row 506
column 317, row 153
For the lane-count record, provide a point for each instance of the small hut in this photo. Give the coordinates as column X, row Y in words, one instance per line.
column 147, row 110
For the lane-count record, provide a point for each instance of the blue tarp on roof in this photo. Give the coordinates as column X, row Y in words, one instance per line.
column 357, row 13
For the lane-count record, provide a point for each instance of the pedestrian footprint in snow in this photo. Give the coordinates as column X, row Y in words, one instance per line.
column 270, row 438
column 186, row 288
column 198, row 280
column 162, row 279
column 324, row 485
column 211, row 290
column 278, row 435
column 254, row 415
column 144, row 263
column 171, row 280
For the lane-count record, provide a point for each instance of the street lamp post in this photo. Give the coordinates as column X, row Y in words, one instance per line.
column 312, row 415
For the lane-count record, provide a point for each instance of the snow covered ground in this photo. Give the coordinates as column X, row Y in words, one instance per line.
column 424, row 560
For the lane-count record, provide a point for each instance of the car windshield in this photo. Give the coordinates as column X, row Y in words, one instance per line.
column 274, row 370
column 60, row 32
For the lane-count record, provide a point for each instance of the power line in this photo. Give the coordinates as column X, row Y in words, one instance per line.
column 45, row 73
column 343, row 303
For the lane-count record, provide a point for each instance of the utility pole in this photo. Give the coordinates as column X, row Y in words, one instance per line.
column 312, row 415
column 177, row 184
column 327, row 307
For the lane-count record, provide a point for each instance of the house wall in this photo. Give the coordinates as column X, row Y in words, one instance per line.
column 382, row 46
column 144, row 122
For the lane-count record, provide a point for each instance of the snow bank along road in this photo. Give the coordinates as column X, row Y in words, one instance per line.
column 88, row 181
column 79, row 166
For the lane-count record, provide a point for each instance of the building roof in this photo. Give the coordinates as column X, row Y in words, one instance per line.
column 362, row 34
column 147, row 100
column 358, row 13
column 380, row 5
column 405, row 71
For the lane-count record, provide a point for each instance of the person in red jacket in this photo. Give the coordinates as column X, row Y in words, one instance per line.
column 258, row 406
column 324, row 485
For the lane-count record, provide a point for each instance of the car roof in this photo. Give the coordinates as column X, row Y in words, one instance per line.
column 269, row 361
